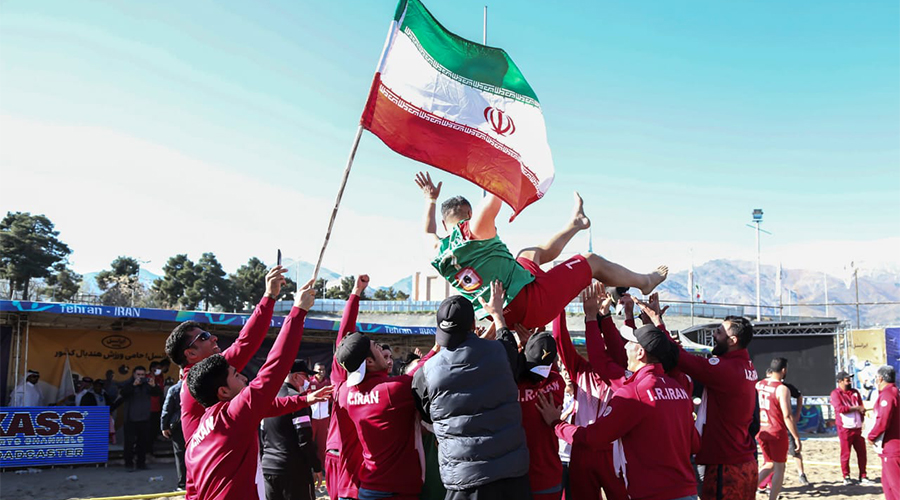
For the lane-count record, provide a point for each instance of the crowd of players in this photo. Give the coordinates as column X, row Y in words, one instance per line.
column 481, row 415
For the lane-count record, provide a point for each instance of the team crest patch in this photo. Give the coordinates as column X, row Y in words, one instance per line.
column 883, row 402
column 607, row 411
column 468, row 279
column 714, row 361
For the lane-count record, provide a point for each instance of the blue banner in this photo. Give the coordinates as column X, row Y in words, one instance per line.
column 53, row 435
column 198, row 316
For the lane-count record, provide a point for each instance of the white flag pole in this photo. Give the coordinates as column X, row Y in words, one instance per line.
column 337, row 201
column 484, row 42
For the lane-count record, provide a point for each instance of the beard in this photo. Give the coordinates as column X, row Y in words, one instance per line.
column 720, row 348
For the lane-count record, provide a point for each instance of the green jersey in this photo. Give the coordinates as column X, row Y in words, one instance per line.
column 471, row 265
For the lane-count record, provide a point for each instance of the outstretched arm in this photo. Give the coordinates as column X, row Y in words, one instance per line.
column 290, row 404
column 432, row 192
column 482, row 224
column 254, row 332
column 508, row 338
column 255, row 401
column 568, row 356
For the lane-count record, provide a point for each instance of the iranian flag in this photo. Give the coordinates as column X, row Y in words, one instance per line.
column 460, row 106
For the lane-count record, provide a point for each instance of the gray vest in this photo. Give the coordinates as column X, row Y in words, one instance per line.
column 476, row 414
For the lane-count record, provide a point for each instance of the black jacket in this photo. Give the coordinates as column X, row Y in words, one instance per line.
column 170, row 419
column 287, row 442
column 137, row 399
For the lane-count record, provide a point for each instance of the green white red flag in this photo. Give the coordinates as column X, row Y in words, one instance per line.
column 460, row 106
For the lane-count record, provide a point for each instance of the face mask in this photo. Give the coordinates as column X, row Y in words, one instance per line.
column 305, row 385
column 157, row 372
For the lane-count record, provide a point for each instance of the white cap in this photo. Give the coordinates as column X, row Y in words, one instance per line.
column 355, row 377
column 627, row 333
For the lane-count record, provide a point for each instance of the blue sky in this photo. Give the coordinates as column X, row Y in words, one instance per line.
column 224, row 127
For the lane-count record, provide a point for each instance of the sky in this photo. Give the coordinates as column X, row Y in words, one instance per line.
column 150, row 129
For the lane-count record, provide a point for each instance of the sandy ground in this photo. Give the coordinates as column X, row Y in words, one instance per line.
column 820, row 454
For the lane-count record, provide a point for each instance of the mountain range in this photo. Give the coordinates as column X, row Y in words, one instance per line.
column 723, row 281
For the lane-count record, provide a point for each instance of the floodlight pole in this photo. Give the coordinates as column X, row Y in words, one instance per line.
column 757, row 273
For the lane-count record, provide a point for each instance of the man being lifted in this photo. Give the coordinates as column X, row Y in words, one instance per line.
column 472, row 256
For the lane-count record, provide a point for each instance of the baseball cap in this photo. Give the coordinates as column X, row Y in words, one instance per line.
column 351, row 353
column 455, row 318
column 540, row 353
column 33, row 372
column 300, row 366
column 654, row 341
column 842, row 375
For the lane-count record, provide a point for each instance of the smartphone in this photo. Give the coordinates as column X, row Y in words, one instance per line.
column 278, row 262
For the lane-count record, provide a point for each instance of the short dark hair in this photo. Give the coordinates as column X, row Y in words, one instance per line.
column 778, row 364
column 154, row 363
column 205, row 378
column 741, row 328
column 138, row 367
column 887, row 374
column 454, row 207
column 178, row 341
column 385, row 347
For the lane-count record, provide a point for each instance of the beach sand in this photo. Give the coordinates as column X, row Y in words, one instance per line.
column 820, row 454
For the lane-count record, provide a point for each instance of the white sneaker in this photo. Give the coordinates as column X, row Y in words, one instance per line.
column 803, row 480
column 847, row 481
column 867, row 482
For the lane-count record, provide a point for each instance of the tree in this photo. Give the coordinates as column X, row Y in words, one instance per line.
column 179, row 275
column 343, row 290
column 119, row 283
column 401, row 295
column 319, row 287
column 64, row 284
column 29, row 247
column 248, row 284
column 389, row 294
column 211, row 285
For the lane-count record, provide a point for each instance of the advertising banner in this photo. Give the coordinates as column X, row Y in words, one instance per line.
column 53, row 435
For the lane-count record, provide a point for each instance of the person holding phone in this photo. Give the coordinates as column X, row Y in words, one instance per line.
column 136, row 393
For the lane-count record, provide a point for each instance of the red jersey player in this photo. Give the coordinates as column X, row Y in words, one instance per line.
column 472, row 256
column 775, row 421
column 224, row 451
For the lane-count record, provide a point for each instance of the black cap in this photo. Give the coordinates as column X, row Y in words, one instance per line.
column 841, row 375
column 654, row 341
column 300, row 366
column 351, row 353
column 455, row 318
column 540, row 353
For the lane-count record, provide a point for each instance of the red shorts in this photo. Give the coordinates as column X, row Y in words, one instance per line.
column 541, row 301
column 774, row 448
column 338, row 481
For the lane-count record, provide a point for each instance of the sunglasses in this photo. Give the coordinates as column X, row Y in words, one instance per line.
column 204, row 335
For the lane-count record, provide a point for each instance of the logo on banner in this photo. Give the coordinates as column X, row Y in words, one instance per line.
column 499, row 121
column 116, row 341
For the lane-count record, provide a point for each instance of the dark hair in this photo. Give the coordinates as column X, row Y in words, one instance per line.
column 138, row 367
column 385, row 347
column 205, row 378
column 887, row 374
column 778, row 364
column 741, row 328
column 178, row 341
column 454, row 207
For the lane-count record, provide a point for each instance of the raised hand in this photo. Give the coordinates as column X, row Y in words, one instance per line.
column 523, row 334
column 549, row 411
column 274, row 281
column 362, row 281
column 494, row 307
column 306, row 296
column 646, row 310
column 607, row 300
column 319, row 395
column 654, row 304
column 423, row 180
column 590, row 301
column 489, row 333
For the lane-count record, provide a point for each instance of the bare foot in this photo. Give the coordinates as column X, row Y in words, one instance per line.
column 656, row 277
column 579, row 220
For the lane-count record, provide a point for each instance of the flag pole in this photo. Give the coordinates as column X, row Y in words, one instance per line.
column 337, row 201
column 484, row 42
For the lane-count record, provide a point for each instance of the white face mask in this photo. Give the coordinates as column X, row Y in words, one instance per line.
column 305, row 385
column 157, row 372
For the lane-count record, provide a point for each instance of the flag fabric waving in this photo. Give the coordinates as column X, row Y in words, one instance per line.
column 460, row 106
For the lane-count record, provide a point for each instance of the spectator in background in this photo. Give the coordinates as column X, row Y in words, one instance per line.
column 95, row 396
column 170, row 426
column 156, row 402
column 27, row 393
column 87, row 384
column 136, row 394
column 321, row 412
column 885, row 434
column 850, row 413
column 290, row 466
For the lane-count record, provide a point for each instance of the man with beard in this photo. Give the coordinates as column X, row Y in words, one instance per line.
column 726, row 411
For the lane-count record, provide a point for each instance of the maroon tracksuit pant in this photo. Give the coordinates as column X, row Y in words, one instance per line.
column 852, row 438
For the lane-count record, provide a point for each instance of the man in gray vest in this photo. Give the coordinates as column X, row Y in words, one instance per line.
column 468, row 392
